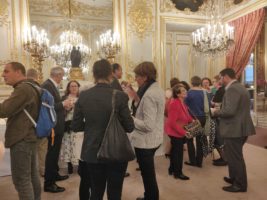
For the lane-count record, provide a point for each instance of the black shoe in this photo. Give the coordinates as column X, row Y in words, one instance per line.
column 54, row 188
column 220, row 163
column 193, row 165
column 170, row 171
column 228, row 180
column 182, row 177
column 70, row 168
column 167, row 155
column 218, row 160
column 126, row 174
column 233, row 188
column 140, row 198
column 61, row 178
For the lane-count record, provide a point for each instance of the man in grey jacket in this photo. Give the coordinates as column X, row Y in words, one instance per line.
column 235, row 127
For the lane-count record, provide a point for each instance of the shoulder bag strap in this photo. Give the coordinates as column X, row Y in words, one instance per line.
column 113, row 108
column 113, row 101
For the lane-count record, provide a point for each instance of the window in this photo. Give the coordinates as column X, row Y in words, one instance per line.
column 249, row 71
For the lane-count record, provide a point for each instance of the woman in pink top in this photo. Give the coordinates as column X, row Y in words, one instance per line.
column 178, row 116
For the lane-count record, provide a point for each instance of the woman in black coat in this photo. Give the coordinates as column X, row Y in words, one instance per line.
column 91, row 114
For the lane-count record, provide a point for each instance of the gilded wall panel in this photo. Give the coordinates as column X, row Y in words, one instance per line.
column 141, row 17
column 169, row 64
column 4, row 19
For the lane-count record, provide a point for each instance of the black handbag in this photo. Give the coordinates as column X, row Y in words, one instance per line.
column 193, row 128
column 115, row 146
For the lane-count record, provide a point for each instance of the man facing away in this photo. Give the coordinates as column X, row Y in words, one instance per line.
column 20, row 134
column 235, row 127
column 32, row 76
column 117, row 74
column 54, row 144
column 115, row 84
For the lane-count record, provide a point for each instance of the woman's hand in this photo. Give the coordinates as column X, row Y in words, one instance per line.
column 188, row 135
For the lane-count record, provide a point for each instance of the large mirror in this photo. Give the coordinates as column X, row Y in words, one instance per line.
column 89, row 18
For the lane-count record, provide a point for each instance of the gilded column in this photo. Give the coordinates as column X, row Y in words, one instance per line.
column 14, row 16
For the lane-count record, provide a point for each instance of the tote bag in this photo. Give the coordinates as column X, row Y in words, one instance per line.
column 115, row 146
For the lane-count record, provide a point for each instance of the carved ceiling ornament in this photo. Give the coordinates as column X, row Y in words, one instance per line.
column 78, row 9
column 140, row 17
column 169, row 6
column 3, row 12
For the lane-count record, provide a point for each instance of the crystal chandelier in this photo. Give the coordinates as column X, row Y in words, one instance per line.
column 70, row 40
column 108, row 45
column 37, row 44
column 216, row 37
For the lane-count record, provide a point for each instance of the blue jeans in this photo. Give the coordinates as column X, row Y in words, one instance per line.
column 24, row 170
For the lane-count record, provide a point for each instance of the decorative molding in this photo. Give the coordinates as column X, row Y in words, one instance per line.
column 169, row 6
column 140, row 17
column 230, row 4
column 4, row 12
column 243, row 8
column 61, row 7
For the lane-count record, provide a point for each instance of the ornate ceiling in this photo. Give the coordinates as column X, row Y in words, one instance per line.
column 81, row 9
column 197, row 7
column 194, row 5
column 88, row 17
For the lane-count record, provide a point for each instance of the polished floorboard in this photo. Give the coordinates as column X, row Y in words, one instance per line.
column 205, row 183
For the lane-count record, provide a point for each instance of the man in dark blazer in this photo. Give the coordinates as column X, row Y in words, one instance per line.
column 235, row 127
column 117, row 74
column 54, row 145
column 115, row 84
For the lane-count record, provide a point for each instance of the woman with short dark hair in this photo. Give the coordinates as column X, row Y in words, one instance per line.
column 195, row 101
column 148, row 133
column 92, row 113
column 178, row 116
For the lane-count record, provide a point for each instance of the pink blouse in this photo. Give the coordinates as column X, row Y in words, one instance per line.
column 178, row 116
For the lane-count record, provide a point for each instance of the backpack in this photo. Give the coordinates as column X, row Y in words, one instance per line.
column 46, row 120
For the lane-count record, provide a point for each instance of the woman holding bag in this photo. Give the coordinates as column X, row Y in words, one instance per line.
column 92, row 114
column 178, row 116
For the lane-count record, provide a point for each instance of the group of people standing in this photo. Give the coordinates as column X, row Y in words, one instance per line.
column 225, row 106
column 85, row 114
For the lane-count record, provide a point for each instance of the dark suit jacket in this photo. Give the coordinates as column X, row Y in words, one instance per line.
column 59, row 128
column 92, row 113
column 235, row 119
column 116, row 84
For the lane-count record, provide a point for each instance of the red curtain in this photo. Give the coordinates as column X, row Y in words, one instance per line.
column 247, row 31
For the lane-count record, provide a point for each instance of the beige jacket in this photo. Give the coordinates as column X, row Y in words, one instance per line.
column 149, row 118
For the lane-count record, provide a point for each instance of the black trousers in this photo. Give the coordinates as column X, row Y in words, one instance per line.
column 51, row 161
column 196, row 154
column 110, row 174
column 236, row 164
column 145, row 159
column 219, row 142
column 85, row 182
column 176, row 157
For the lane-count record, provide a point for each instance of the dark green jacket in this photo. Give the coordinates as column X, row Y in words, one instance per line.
column 19, row 127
